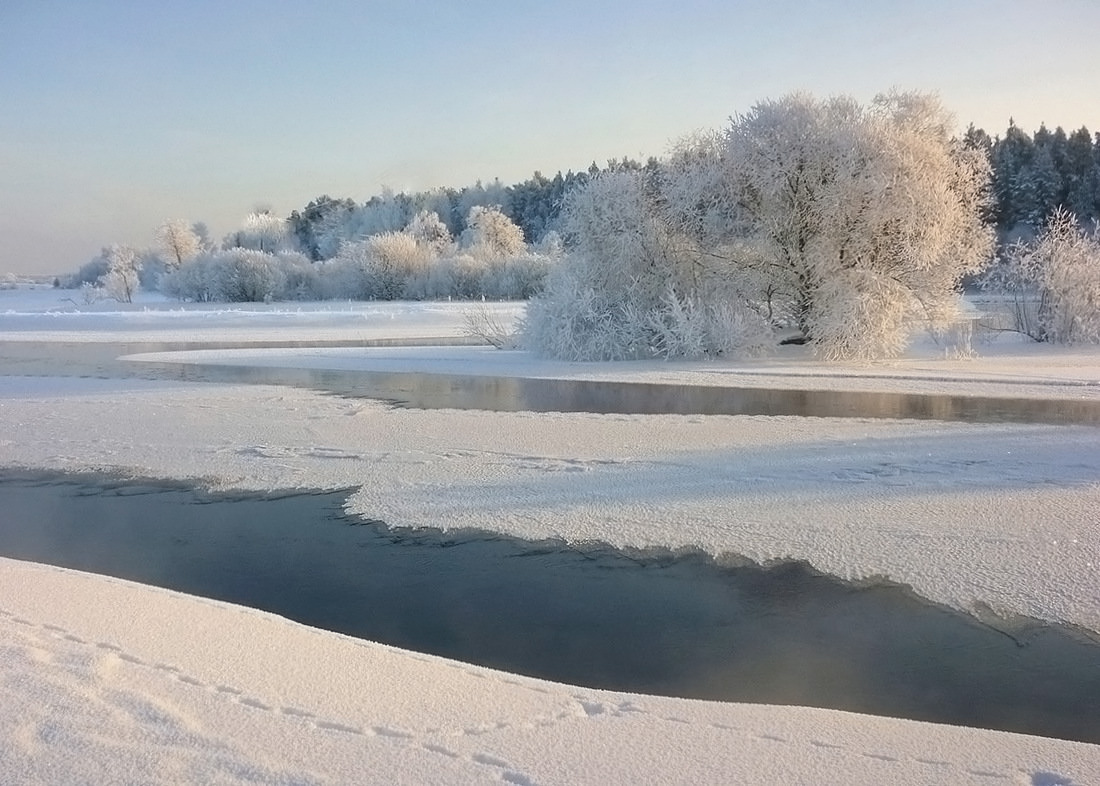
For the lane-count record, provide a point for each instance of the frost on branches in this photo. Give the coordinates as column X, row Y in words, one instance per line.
column 843, row 221
column 632, row 288
column 179, row 242
column 1051, row 286
column 121, row 282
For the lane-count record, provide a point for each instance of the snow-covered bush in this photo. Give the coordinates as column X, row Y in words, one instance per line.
column 518, row 277
column 687, row 328
column 573, row 320
column 303, row 281
column 422, row 262
column 376, row 268
column 194, row 280
column 1051, row 285
column 236, row 275
column 252, row 276
column 631, row 287
column 392, row 258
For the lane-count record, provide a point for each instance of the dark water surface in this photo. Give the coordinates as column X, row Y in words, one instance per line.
column 651, row 623
column 515, row 394
column 510, row 394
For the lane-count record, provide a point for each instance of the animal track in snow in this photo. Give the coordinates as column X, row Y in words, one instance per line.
column 584, row 709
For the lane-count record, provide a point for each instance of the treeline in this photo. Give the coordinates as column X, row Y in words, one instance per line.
column 262, row 261
column 501, row 241
column 534, row 205
column 1033, row 176
column 1036, row 175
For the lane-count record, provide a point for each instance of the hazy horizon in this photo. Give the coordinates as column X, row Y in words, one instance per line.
column 119, row 115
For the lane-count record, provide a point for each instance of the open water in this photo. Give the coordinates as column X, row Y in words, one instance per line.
column 660, row 623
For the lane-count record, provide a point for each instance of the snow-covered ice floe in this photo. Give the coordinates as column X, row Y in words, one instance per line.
column 104, row 680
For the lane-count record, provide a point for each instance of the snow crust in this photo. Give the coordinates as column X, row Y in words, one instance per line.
column 107, row 681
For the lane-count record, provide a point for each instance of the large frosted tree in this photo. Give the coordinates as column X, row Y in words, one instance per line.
column 846, row 220
column 858, row 216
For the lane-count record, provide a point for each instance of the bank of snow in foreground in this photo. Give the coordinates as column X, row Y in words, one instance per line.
column 110, row 682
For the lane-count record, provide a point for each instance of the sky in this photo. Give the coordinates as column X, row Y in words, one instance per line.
column 116, row 115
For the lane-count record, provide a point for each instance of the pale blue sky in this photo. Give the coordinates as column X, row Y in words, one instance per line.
column 116, row 115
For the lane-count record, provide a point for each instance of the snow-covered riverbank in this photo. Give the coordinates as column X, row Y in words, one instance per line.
column 983, row 517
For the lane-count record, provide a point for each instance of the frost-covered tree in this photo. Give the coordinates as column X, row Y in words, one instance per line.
column 389, row 212
column 492, row 235
column 178, row 241
column 306, row 225
column 251, row 276
column 860, row 216
column 629, row 286
column 480, row 195
column 264, row 232
column 1052, row 284
column 1081, row 175
column 428, row 230
column 121, row 279
column 849, row 220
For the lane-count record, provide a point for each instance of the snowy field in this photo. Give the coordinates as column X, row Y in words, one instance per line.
column 106, row 681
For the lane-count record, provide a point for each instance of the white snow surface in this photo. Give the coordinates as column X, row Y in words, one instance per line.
column 108, row 681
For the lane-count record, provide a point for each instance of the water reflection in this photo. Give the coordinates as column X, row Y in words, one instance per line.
column 668, row 624
column 510, row 394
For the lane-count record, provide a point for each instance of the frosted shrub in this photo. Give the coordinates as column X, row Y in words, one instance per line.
column 434, row 282
column 573, row 321
column 346, row 275
column 517, row 277
column 631, row 287
column 238, row 275
column 430, row 232
column 194, row 280
column 491, row 234
column 249, row 276
column 1051, row 286
column 376, row 268
column 686, row 328
column 467, row 273
column 302, row 280
column 392, row 258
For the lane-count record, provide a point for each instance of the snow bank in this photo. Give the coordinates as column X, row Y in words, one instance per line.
column 105, row 681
